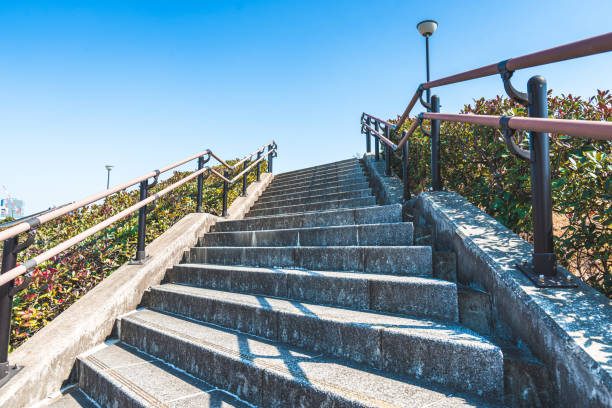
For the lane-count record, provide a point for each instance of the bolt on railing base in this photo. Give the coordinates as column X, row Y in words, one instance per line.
column 8, row 371
column 140, row 259
column 546, row 281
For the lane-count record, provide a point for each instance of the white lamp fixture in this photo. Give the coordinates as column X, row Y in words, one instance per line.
column 109, row 167
column 427, row 27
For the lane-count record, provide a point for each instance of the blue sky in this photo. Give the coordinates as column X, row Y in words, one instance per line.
column 140, row 84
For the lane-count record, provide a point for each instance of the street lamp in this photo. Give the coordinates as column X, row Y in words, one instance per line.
column 109, row 167
column 427, row 28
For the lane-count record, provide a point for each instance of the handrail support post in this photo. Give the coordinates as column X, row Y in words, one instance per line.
column 387, row 153
column 200, row 184
column 405, row 171
column 368, row 138
column 258, row 166
column 376, row 143
column 436, row 183
column 270, row 157
column 9, row 261
column 225, row 189
column 244, row 179
column 142, row 224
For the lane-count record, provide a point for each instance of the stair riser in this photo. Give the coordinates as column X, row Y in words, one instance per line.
column 319, row 173
column 231, row 372
column 340, row 164
column 323, row 177
column 403, row 353
column 310, row 189
column 409, row 260
column 436, row 300
column 314, row 199
column 265, row 198
column 322, row 206
column 102, row 389
column 377, row 234
column 370, row 215
column 315, row 184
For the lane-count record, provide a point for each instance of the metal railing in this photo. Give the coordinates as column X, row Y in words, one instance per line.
column 10, row 271
column 543, row 267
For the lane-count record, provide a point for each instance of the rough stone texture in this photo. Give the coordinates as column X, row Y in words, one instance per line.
column 410, row 295
column 570, row 330
column 313, row 199
column 265, row 198
column 285, row 376
column 321, row 168
column 74, row 398
column 50, row 354
column 355, row 171
column 391, row 234
column 406, row 260
column 350, row 216
column 445, row 265
column 317, row 184
column 475, row 310
column 319, row 206
column 389, row 190
column 438, row 352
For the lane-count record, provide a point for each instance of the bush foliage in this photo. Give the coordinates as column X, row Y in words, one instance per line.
column 476, row 164
column 61, row 281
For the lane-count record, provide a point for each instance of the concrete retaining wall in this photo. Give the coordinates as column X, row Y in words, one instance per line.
column 569, row 330
column 49, row 356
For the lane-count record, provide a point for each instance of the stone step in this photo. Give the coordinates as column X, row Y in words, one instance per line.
column 391, row 234
column 271, row 374
column 392, row 260
column 409, row 295
column 322, row 176
column 319, row 172
column 313, row 199
column 348, row 178
column 122, row 376
column 341, row 163
column 317, row 206
column 350, row 216
column 303, row 189
column 74, row 398
column 309, row 193
column 315, row 184
column 444, row 353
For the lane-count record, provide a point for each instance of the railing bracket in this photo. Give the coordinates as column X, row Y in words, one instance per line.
column 425, row 132
column 513, row 93
column 426, row 105
column 546, row 281
column 514, row 149
column 8, row 371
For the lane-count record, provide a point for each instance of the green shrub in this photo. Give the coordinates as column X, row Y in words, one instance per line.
column 61, row 281
column 476, row 164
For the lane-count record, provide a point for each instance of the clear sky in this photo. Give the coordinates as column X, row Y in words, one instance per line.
column 141, row 84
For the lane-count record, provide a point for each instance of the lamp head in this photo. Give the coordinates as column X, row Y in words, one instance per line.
column 427, row 27
column 109, row 167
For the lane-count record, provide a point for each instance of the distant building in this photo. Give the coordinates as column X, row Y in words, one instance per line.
column 11, row 208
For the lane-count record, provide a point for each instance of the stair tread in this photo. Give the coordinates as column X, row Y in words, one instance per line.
column 317, row 206
column 153, row 382
column 366, row 387
column 397, row 323
column 75, row 398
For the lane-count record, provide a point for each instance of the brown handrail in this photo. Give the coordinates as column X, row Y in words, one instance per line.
column 391, row 125
column 381, row 137
column 51, row 215
column 50, row 253
column 588, row 129
column 583, row 48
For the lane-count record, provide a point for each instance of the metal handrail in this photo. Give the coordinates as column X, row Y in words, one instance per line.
column 583, row 48
column 384, row 122
column 58, row 212
column 10, row 271
column 543, row 270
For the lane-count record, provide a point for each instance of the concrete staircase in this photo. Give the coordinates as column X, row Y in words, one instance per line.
column 319, row 298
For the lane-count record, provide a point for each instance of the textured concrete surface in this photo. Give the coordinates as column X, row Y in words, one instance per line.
column 389, row 190
column 121, row 376
column 48, row 357
column 309, row 193
column 321, row 168
column 410, row 295
column 407, row 260
column 313, row 199
column 368, row 215
column 569, row 330
column 316, row 184
column 319, row 206
column 391, row 234
column 355, row 171
column 273, row 374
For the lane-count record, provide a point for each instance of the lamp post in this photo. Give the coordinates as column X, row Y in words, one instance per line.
column 109, row 167
column 427, row 28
